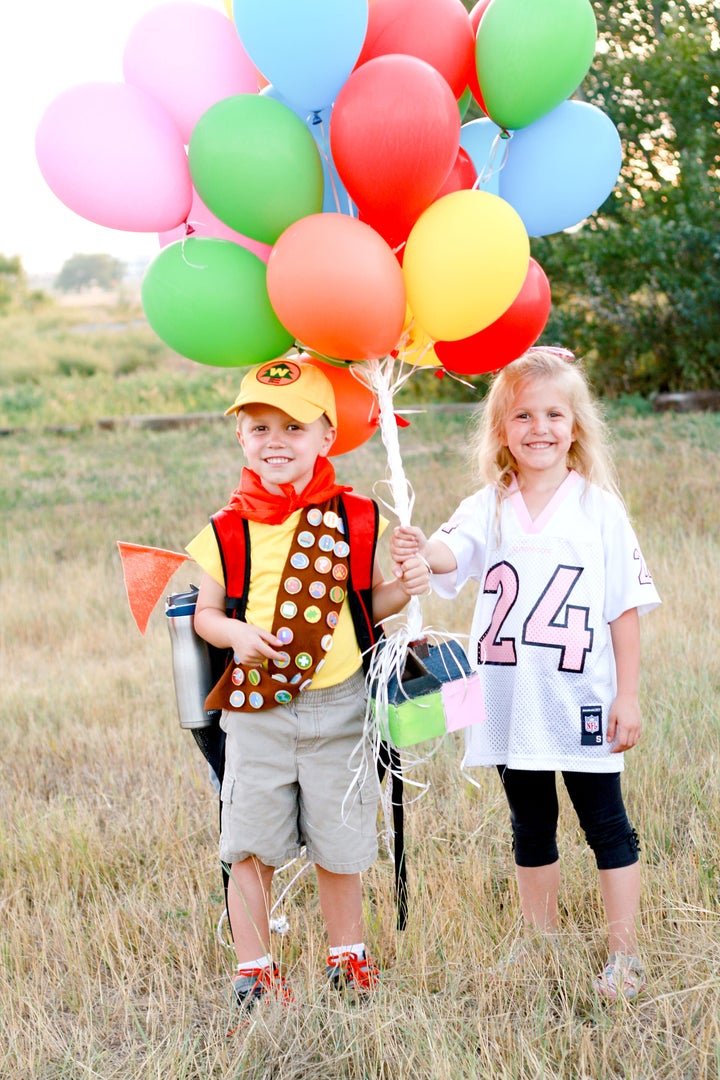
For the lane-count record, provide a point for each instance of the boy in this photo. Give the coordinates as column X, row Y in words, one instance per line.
column 293, row 697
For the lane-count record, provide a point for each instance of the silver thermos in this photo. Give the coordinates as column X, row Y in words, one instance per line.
column 192, row 673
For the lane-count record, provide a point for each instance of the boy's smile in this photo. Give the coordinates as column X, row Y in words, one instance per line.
column 279, row 449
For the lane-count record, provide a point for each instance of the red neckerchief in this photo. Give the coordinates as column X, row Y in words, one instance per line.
column 256, row 503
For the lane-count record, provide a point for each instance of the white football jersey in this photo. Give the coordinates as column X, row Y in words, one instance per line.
column 540, row 635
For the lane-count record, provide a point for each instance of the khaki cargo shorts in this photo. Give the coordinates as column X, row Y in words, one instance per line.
column 301, row 775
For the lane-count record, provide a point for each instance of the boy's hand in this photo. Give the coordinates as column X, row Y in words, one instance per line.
column 415, row 576
column 251, row 644
column 624, row 723
column 405, row 541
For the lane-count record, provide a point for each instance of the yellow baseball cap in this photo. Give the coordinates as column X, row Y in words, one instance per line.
column 299, row 389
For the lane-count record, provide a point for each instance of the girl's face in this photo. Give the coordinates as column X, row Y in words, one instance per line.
column 539, row 430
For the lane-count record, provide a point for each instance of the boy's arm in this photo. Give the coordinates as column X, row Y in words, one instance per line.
column 251, row 644
column 391, row 596
column 624, row 720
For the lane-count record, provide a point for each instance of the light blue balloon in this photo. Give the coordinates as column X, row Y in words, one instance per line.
column 305, row 48
column 561, row 168
column 335, row 197
column 483, row 141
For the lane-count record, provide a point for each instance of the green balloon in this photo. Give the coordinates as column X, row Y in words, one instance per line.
column 208, row 300
column 255, row 165
column 531, row 56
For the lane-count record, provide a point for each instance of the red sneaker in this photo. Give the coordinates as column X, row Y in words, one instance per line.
column 250, row 985
column 350, row 972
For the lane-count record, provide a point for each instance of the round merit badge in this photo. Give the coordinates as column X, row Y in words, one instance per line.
column 283, row 696
column 285, row 635
column 255, row 701
column 299, row 561
column 312, row 614
column 288, row 609
column 323, row 565
column 314, row 516
column 337, row 595
column 306, row 539
column 293, row 585
column 330, row 519
column 326, row 542
column 237, row 699
column 303, row 660
column 317, row 589
column 238, row 676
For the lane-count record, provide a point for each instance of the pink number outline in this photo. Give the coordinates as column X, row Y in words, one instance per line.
column 502, row 579
column 573, row 637
column 542, row 628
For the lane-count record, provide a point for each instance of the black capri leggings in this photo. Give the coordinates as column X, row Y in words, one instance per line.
column 598, row 802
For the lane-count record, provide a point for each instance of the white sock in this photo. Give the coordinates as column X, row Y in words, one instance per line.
column 359, row 950
column 248, row 966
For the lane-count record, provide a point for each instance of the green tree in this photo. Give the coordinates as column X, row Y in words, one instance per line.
column 637, row 289
column 84, row 271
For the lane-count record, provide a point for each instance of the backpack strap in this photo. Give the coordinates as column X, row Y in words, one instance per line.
column 232, row 533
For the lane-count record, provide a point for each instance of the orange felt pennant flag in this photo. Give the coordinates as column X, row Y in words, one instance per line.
column 146, row 571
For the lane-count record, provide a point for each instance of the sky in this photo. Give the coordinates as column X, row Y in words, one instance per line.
column 48, row 47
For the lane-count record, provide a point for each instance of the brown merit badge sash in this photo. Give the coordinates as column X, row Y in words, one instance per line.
column 312, row 590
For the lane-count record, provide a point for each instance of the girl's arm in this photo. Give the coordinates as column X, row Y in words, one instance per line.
column 251, row 644
column 408, row 540
column 624, row 721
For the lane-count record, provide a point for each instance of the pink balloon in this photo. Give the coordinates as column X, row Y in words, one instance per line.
column 113, row 155
column 337, row 287
column 188, row 57
column 202, row 222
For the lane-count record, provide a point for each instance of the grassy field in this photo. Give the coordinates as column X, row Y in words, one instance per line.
column 110, row 964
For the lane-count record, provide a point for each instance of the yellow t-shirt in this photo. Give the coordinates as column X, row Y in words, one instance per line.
column 270, row 545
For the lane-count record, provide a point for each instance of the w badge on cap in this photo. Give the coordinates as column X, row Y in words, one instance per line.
column 278, row 373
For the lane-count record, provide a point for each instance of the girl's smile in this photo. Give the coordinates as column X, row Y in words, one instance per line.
column 539, row 430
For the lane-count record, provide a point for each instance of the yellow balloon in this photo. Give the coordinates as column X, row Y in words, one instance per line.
column 228, row 7
column 415, row 345
column 465, row 261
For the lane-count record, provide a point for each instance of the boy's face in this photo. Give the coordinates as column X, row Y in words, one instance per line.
column 279, row 449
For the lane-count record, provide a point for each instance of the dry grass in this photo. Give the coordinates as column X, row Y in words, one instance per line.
column 110, row 886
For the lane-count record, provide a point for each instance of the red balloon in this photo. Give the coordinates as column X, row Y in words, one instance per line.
column 508, row 337
column 475, row 16
column 394, row 137
column 358, row 409
column 461, row 177
column 437, row 31
column 337, row 287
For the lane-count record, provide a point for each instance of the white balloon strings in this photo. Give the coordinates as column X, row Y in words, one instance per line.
column 324, row 147
column 489, row 170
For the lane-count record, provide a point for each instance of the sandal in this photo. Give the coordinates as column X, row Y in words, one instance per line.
column 623, row 976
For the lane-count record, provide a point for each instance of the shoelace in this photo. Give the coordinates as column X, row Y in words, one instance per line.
column 359, row 972
column 267, row 980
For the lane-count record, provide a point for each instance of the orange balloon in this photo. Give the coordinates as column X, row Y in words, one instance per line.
column 336, row 287
column 358, row 409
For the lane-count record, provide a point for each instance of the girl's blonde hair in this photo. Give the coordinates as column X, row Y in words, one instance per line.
column 589, row 454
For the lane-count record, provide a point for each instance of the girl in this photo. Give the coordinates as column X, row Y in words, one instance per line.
column 555, row 633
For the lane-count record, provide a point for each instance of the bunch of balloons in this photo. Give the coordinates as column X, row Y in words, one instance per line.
column 312, row 183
